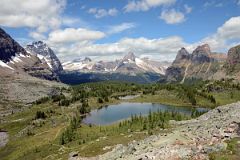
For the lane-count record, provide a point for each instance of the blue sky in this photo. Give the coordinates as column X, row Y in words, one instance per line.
column 107, row 29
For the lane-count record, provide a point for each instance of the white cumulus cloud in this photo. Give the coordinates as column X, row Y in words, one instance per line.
column 70, row 35
column 100, row 13
column 166, row 48
column 144, row 5
column 172, row 16
column 36, row 35
column 39, row 14
column 225, row 35
column 159, row 48
column 120, row 28
column 187, row 8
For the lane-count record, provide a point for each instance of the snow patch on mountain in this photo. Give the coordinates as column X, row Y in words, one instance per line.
column 46, row 55
column 2, row 64
column 16, row 59
column 79, row 64
column 128, row 64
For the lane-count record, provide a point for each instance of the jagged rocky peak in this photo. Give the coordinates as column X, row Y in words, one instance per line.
column 182, row 54
column 38, row 47
column 9, row 47
column 233, row 58
column 83, row 60
column 203, row 49
column 39, row 44
column 87, row 59
column 130, row 56
column 202, row 54
column 45, row 53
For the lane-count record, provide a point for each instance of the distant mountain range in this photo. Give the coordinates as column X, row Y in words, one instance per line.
column 128, row 69
column 39, row 60
column 129, row 64
column 203, row 64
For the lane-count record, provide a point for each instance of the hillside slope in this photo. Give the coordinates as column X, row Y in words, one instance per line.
column 17, row 68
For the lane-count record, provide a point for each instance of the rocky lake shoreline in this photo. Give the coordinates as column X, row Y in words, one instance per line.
column 191, row 139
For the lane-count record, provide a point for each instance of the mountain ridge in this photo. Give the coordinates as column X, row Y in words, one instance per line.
column 129, row 64
column 45, row 53
column 197, row 65
column 24, row 78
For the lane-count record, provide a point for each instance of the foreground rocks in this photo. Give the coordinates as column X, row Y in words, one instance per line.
column 3, row 138
column 192, row 139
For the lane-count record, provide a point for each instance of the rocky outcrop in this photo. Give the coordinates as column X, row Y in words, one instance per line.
column 202, row 54
column 3, row 138
column 182, row 55
column 46, row 55
column 220, row 57
column 9, row 47
column 87, row 59
column 130, row 56
column 233, row 59
column 231, row 67
column 201, row 64
column 175, row 73
column 192, row 139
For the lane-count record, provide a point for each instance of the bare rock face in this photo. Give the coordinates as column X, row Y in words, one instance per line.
column 14, row 59
column 201, row 64
column 231, row 67
column 175, row 73
column 9, row 47
column 46, row 55
column 183, row 54
column 3, row 138
column 130, row 56
column 233, row 59
column 201, row 54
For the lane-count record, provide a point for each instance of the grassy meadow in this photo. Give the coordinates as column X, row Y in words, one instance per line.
column 52, row 127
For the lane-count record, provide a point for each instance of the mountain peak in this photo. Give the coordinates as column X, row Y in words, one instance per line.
column 203, row 49
column 181, row 55
column 201, row 54
column 183, row 52
column 233, row 59
column 87, row 59
column 9, row 47
column 83, row 60
column 37, row 45
column 129, row 56
column 43, row 52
